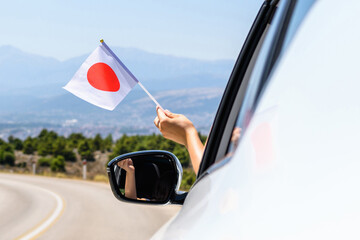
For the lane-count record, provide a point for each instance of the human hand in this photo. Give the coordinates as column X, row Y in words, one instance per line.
column 235, row 136
column 175, row 127
column 127, row 165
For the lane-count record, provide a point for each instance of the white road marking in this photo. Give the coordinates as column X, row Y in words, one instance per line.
column 46, row 223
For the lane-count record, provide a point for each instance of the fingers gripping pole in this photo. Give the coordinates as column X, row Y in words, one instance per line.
column 151, row 97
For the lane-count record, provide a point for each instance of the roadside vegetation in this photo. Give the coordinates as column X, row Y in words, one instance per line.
column 55, row 155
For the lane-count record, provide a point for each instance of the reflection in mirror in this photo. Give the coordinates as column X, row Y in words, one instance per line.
column 145, row 178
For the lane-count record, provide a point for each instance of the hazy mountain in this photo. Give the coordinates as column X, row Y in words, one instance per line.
column 28, row 74
column 31, row 94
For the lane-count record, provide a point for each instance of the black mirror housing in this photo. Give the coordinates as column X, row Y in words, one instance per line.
column 147, row 177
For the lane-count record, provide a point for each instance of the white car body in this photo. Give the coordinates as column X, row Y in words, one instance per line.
column 296, row 171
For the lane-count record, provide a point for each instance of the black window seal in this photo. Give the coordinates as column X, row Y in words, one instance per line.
column 264, row 16
column 277, row 44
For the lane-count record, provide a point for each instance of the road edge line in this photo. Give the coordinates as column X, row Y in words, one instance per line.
column 46, row 223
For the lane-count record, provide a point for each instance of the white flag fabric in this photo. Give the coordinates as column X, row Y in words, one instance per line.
column 102, row 79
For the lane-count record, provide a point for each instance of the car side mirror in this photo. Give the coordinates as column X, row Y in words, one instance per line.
column 151, row 177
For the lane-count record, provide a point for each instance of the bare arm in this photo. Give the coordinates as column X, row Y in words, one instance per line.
column 130, row 184
column 178, row 128
column 195, row 148
column 130, row 187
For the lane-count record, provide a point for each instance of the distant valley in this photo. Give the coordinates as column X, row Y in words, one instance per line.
column 32, row 98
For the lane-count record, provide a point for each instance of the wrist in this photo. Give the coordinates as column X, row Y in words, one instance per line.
column 190, row 134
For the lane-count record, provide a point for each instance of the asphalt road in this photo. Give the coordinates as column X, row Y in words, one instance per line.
column 34, row 207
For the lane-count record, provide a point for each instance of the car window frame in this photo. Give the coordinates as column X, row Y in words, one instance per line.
column 289, row 16
column 220, row 127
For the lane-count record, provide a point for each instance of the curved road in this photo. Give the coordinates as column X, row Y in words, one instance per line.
column 33, row 207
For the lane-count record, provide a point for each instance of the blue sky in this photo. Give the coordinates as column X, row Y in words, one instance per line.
column 64, row 29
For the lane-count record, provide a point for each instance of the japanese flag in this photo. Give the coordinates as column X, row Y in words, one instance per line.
column 102, row 79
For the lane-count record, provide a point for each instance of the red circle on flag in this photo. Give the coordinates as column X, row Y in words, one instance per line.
column 102, row 77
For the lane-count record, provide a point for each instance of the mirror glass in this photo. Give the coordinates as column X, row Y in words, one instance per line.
column 145, row 178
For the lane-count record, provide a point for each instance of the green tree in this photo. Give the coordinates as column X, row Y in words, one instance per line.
column 8, row 159
column 58, row 164
column 60, row 149
column 59, row 146
column 1, row 156
column 11, row 139
column 17, row 144
column 7, row 156
column 43, row 133
column 98, row 143
column 6, row 147
column 74, row 139
column 125, row 144
column 167, row 145
column 188, row 179
column 44, row 162
column 182, row 154
column 69, row 155
column 29, row 147
column 108, row 142
column 47, row 135
column 85, row 150
column 45, row 148
column 52, row 135
column 45, row 142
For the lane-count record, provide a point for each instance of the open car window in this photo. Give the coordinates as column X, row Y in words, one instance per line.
column 236, row 87
column 272, row 32
column 259, row 82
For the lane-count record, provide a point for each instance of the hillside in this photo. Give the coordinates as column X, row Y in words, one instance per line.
column 32, row 97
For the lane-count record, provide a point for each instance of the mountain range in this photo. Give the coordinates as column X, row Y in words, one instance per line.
column 31, row 92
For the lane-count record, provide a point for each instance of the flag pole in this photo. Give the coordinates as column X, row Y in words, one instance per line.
column 149, row 94
column 128, row 71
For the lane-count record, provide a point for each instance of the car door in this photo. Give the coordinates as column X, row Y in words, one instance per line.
column 213, row 203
